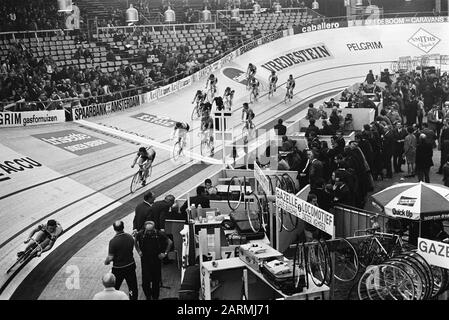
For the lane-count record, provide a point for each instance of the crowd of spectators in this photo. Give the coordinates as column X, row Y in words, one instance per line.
column 345, row 172
column 16, row 15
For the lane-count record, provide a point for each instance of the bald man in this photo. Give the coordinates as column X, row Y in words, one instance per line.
column 109, row 292
column 121, row 255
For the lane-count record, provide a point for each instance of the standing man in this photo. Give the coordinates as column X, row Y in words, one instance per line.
column 142, row 212
column 280, row 129
column 443, row 145
column 435, row 120
column 388, row 149
column 159, row 210
column 121, row 255
column 316, row 167
column 398, row 148
column 152, row 246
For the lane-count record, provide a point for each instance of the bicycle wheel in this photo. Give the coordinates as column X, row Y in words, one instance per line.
column 195, row 113
column 176, row 150
column 289, row 183
column 440, row 280
column 135, row 182
column 317, row 263
column 235, row 193
column 329, row 272
column 346, row 261
column 427, row 278
column 416, row 278
column 259, row 214
column 385, row 282
column 290, row 188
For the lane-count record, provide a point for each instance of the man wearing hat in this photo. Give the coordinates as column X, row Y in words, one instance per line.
column 152, row 246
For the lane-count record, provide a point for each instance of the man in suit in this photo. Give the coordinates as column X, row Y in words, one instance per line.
column 399, row 134
column 159, row 211
column 315, row 168
column 388, row 149
column 435, row 120
column 280, row 129
column 142, row 212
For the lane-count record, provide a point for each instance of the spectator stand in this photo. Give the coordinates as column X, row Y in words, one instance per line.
column 249, row 24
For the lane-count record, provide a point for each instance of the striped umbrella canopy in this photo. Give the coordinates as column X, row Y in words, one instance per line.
column 414, row 201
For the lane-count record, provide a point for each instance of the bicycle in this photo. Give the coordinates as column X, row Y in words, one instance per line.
column 29, row 254
column 196, row 112
column 253, row 95
column 178, row 148
column 248, row 130
column 211, row 94
column 288, row 95
column 138, row 178
column 271, row 90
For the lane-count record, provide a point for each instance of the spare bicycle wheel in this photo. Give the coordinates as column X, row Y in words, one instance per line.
column 259, row 214
column 238, row 194
column 317, row 263
column 346, row 262
column 414, row 275
column 289, row 183
column 330, row 271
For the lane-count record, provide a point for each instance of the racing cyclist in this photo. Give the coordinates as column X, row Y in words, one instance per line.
column 254, row 89
column 44, row 236
column 180, row 132
column 228, row 95
column 199, row 97
column 207, row 126
column 290, row 87
column 144, row 158
column 212, row 82
column 251, row 70
column 272, row 80
column 247, row 116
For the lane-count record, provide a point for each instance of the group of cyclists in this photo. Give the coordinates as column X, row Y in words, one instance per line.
column 43, row 237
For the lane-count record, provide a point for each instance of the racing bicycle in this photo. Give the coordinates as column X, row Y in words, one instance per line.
column 33, row 251
column 178, row 148
column 207, row 144
column 138, row 177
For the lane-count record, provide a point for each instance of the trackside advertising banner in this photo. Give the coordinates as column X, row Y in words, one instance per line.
column 436, row 253
column 320, row 26
column 401, row 20
column 305, row 211
column 102, row 109
column 303, row 55
column 31, row 118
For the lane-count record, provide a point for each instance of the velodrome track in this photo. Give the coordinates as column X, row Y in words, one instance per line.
column 81, row 191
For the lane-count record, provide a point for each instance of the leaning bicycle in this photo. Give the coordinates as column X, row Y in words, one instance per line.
column 33, row 251
column 137, row 179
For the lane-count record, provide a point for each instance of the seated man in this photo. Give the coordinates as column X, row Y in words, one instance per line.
column 210, row 189
column 312, row 127
column 200, row 199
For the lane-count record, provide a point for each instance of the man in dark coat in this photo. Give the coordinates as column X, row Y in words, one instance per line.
column 142, row 211
column 399, row 134
column 152, row 246
column 387, row 150
column 159, row 211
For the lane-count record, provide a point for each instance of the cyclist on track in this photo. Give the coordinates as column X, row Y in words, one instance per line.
column 218, row 103
column 254, row 83
column 207, row 126
column 212, row 82
column 290, row 87
column 44, row 236
column 180, row 132
column 144, row 158
column 199, row 98
column 251, row 72
column 272, row 80
column 247, row 116
column 228, row 95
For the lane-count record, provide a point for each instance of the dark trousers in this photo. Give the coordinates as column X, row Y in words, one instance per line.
column 151, row 278
column 387, row 164
column 423, row 174
column 444, row 153
column 397, row 162
column 128, row 274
